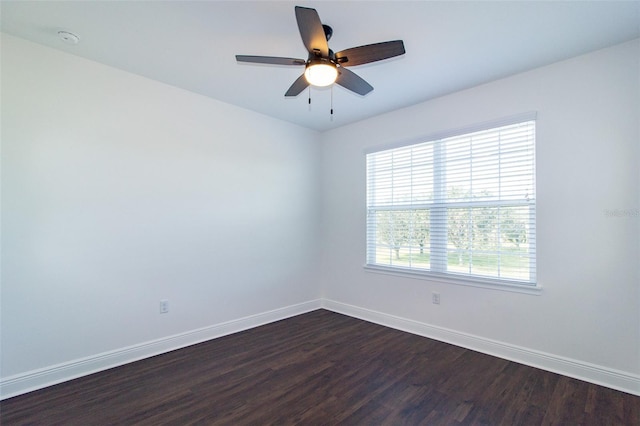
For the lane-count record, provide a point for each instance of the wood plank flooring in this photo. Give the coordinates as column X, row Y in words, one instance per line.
column 323, row 368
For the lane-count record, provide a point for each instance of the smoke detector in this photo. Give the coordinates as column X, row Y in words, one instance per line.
column 69, row 38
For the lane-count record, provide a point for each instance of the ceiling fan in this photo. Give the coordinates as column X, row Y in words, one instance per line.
column 323, row 67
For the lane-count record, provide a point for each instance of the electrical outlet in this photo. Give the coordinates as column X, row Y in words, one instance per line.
column 435, row 298
column 164, row 306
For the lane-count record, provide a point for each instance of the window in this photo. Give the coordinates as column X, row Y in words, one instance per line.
column 458, row 206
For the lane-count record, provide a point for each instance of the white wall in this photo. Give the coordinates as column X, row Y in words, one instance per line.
column 587, row 163
column 118, row 191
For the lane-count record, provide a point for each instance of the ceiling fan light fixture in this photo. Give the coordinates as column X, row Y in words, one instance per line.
column 321, row 74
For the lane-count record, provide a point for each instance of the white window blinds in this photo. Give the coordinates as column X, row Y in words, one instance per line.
column 462, row 205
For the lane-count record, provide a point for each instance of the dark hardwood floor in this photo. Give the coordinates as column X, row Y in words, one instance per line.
column 323, row 368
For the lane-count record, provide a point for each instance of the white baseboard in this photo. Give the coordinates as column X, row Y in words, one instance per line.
column 38, row 379
column 587, row 372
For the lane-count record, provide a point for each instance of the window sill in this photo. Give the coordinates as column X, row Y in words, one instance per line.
column 456, row 279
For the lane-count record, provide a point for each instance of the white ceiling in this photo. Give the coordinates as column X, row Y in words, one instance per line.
column 450, row 45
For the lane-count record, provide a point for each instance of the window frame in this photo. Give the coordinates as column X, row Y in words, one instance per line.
column 532, row 286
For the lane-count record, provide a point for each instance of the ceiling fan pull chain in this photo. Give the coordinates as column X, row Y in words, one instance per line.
column 309, row 98
column 331, row 103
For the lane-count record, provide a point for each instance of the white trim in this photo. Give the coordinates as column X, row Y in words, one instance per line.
column 603, row 376
column 457, row 279
column 478, row 127
column 48, row 376
column 38, row 379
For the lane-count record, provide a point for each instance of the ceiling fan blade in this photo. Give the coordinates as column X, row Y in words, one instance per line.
column 270, row 60
column 350, row 80
column 298, row 86
column 311, row 31
column 370, row 53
